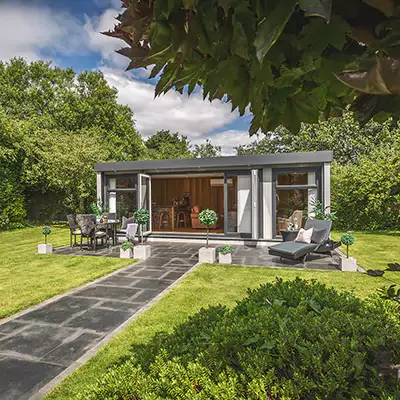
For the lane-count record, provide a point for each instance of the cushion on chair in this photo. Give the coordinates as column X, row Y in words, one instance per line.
column 293, row 250
column 304, row 235
column 318, row 236
column 100, row 234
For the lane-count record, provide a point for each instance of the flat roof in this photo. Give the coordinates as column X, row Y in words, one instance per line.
column 231, row 162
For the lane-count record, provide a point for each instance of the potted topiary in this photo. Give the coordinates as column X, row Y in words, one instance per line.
column 207, row 218
column 348, row 263
column 225, row 255
column 45, row 248
column 141, row 217
column 126, row 250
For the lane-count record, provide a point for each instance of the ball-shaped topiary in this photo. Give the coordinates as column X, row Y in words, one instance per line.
column 286, row 340
column 141, row 217
column 208, row 218
column 348, row 240
column 46, row 230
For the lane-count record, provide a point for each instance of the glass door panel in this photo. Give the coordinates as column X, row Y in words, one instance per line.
column 144, row 198
column 238, row 204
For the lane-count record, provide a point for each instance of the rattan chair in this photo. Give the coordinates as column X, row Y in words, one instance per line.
column 74, row 229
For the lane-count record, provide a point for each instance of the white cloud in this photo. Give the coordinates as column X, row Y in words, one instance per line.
column 27, row 31
column 102, row 44
column 191, row 116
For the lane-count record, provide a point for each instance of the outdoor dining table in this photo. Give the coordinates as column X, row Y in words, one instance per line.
column 111, row 229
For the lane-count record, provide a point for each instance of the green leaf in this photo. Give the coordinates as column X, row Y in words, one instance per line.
column 288, row 77
column 239, row 45
column 269, row 30
column 252, row 340
column 268, row 345
column 317, row 8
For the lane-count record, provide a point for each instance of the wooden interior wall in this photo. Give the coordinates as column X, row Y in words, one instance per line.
column 201, row 192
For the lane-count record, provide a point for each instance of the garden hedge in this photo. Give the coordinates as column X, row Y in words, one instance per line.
column 287, row 340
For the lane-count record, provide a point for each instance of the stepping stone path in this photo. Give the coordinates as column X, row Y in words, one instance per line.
column 37, row 346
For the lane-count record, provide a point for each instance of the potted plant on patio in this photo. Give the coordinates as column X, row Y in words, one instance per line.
column 141, row 217
column 45, row 248
column 348, row 263
column 207, row 218
column 99, row 209
column 126, row 250
column 225, row 255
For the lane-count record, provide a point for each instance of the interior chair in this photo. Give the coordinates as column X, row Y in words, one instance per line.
column 194, row 216
column 295, row 218
column 165, row 220
column 181, row 219
column 74, row 229
column 299, row 250
column 87, row 225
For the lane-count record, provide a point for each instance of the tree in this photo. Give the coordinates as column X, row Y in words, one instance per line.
column 343, row 135
column 54, row 126
column 166, row 145
column 290, row 61
column 207, row 149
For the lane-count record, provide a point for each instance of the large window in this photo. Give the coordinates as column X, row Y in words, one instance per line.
column 295, row 194
column 121, row 194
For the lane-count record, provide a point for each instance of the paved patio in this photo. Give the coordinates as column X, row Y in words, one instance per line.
column 40, row 344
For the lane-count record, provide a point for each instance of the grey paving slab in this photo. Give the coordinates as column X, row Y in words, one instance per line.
column 19, row 379
column 174, row 275
column 119, row 305
column 147, row 295
column 59, row 311
column 100, row 319
column 68, row 352
column 107, row 292
column 36, row 340
column 152, row 284
column 155, row 262
column 12, row 327
column 150, row 273
column 119, row 280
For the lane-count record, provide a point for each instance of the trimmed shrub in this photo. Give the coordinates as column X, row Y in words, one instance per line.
column 287, row 340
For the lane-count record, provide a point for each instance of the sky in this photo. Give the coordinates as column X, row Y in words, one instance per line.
column 67, row 33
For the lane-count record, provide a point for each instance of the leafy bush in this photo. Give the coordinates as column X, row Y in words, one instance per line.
column 225, row 249
column 46, row 230
column 362, row 193
column 287, row 340
column 126, row 245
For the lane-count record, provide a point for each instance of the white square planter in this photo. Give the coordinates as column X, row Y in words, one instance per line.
column 128, row 253
column 45, row 248
column 225, row 258
column 348, row 264
column 207, row 255
column 142, row 252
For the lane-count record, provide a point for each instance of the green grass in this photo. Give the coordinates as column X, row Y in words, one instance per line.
column 27, row 278
column 214, row 284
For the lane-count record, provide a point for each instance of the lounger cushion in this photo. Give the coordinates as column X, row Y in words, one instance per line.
column 292, row 250
column 304, row 235
column 318, row 236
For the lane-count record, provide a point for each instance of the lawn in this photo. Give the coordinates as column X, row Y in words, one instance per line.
column 214, row 284
column 27, row 278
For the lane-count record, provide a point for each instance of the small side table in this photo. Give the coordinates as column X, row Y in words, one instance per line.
column 288, row 236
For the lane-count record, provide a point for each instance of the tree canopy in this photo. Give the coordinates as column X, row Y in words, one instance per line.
column 166, row 145
column 289, row 61
column 206, row 150
column 54, row 126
